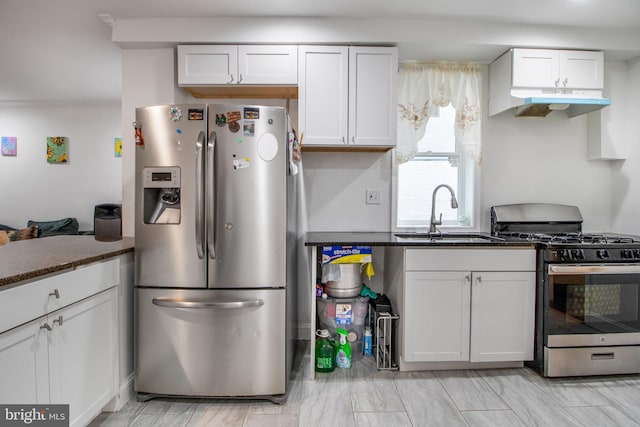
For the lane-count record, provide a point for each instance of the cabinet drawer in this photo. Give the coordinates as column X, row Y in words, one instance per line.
column 453, row 259
column 26, row 302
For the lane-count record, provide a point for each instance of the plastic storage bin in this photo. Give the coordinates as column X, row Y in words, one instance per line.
column 345, row 313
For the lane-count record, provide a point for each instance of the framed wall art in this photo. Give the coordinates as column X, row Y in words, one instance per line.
column 57, row 149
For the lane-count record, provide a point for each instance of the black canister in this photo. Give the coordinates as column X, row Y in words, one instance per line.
column 107, row 222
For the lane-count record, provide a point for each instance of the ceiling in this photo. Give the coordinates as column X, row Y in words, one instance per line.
column 61, row 51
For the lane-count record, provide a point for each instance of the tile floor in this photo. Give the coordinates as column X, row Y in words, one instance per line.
column 364, row 396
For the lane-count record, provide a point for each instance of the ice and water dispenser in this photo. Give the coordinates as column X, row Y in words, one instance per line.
column 161, row 195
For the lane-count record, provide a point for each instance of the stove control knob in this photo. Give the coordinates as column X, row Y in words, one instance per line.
column 626, row 254
column 577, row 254
column 602, row 253
column 565, row 255
column 636, row 253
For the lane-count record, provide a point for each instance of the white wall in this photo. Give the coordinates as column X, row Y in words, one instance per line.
column 33, row 189
column 335, row 186
column 625, row 205
column 148, row 78
column 531, row 159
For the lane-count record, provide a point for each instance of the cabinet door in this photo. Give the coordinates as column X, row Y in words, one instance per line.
column 268, row 64
column 23, row 364
column 436, row 316
column 536, row 68
column 502, row 316
column 372, row 96
column 207, row 65
column 581, row 69
column 82, row 356
column 323, row 76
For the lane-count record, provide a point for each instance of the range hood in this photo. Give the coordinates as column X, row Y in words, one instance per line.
column 535, row 82
column 535, row 106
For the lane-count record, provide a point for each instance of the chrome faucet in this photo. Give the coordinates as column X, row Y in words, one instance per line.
column 454, row 205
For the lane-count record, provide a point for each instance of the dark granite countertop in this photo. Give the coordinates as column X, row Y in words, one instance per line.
column 28, row 259
column 390, row 239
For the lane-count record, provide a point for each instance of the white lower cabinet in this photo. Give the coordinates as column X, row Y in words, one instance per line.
column 502, row 316
column 70, row 355
column 436, row 316
column 458, row 305
column 66, row 357
column 82, row 355
column 24, row 364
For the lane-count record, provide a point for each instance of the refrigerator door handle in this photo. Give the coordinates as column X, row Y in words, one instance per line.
column 210, row 196
column 199, row 196
column 177, row 303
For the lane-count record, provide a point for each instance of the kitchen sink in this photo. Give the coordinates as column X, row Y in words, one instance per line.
column 449, row 237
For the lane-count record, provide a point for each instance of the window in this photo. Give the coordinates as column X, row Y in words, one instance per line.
column 438, row 161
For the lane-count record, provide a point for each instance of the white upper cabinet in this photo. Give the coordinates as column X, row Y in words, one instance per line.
column 323, row 95
column 200, row 65
column 557, row 69
column 347, row 96
column 373, row 100
column 268, row 65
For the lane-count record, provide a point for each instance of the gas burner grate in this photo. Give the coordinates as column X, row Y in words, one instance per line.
column 568, row 238
column 604, row 239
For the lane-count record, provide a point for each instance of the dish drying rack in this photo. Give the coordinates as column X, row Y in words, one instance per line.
column 383, row 347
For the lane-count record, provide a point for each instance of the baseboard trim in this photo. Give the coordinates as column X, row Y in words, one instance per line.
column 125, row 394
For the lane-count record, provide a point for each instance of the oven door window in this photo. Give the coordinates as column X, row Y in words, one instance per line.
column 593, row 303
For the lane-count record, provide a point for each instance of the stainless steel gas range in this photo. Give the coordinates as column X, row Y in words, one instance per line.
column 588, row 291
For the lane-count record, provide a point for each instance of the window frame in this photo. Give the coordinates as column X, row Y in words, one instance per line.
column 468, row 193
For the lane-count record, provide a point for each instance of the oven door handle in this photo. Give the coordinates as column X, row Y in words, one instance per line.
column 594, row 269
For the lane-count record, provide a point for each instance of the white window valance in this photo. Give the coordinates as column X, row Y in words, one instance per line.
column 422, row 89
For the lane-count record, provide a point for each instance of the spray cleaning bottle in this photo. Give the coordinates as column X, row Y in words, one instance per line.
column 343, row 349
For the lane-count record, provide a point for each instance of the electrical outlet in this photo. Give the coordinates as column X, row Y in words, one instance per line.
column 373, row 197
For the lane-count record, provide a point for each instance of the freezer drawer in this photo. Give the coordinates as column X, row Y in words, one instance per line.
column 210, row 342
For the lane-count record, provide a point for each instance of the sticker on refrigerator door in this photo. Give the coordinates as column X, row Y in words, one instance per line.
column 251, row 113
column 249, row 128
column 139, row 139
column 234, row 127
column 196, row 114
column 175, row 113
column 240, row 163
column 233, row 116
column 221, row 120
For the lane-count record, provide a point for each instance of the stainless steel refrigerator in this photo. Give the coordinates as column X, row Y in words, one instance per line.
column 214, row 251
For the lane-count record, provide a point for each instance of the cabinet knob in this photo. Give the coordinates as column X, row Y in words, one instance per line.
column 230, row 81
column 479, row 279
column 55, row 293
column 58, row 320
column 467, row 279
column 46, row 326
column 565, row 82
column 240, row 79
column 557, row 82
